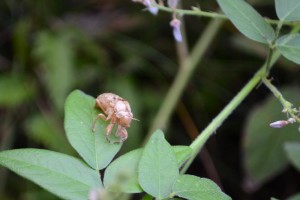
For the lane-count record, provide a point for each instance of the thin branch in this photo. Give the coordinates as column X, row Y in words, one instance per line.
column 288, row 107
column 215, row 15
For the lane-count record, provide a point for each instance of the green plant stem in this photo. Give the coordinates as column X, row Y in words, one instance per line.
column 183, row 75
column 286, row 104
column 260, row 75
column 268, row 61
column 233, row 104
column 182, row 47
column 278, row 28
column 214, row 15
column 272, row 47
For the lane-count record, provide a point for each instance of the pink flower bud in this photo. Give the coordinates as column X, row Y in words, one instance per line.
column 175, row 23
column 279, row 124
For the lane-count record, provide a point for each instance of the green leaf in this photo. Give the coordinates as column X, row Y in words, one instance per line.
column 294, row 197
column 288, row 10
column 247, row 20
column 158, row 168
column 56, row 53
column 122, row 173
column 65, row 176
column 80, row 112
column 293, row 151
column 196, row 188
column 15, row 90
column 289, row 47
column 264, row 156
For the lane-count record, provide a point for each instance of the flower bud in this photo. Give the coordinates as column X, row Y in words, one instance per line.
column 172, row 3
column 279, row 124
column 175, row 23
column 153, row 10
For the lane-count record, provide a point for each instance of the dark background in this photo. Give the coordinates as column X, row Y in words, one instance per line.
column 49, row 48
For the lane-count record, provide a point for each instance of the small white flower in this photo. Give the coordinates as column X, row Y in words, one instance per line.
column 175, row 24
column 291, row 120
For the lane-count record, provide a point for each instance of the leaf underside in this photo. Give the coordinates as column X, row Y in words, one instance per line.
column 65, row 176
column 289, row 47
column 196, row 188
column 247, row 20
column 288, row 10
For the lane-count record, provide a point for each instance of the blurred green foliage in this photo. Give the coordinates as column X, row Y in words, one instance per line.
column 264, row 146
column 49, row 48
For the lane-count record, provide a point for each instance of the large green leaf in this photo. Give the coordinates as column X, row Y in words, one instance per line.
column 247, row 20
column 122, row 173
column 158, row 168
column 80, row 112
column 196, row 188
column 264, row 156
column 288, row 10
column 293, row 151
column 289, row 46
column 63, row 175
